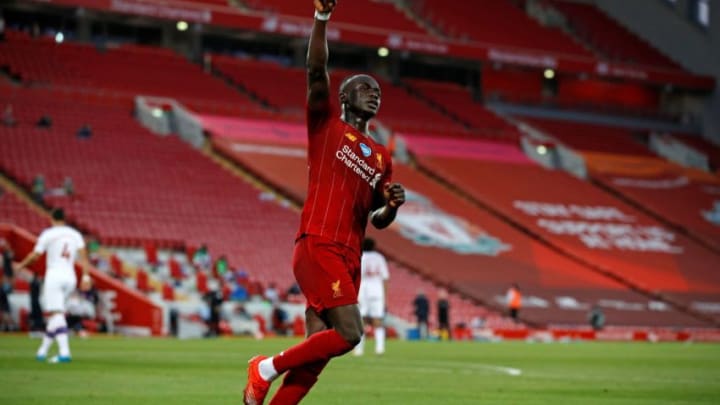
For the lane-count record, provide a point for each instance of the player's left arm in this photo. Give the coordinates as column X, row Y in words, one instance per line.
column 393, row 196
column 387, row 199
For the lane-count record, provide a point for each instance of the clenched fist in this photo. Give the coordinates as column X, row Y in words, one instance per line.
column 394, row 195
column 324, row 6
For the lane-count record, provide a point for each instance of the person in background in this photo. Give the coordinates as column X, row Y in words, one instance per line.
column 7, row 324
column 443, row 314
column 44, row 122
column 372, row 295
column 202, row 259
column 280, row 324
column 422, row 313
column 2, row 27
column 68, row 187
column 62, row 244
column 271, row 293
column 37, row 322
column 7, row 258
column 85, row 132
column 349, row 184
column 8, row 117
column 214, row 300
column 93, row 247
column 38, row 189
column 6, row 320
column 222, row 267
column 596, row 317
column 513, row 299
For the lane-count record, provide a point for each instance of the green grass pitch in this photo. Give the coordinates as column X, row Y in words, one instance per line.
column 114, row 370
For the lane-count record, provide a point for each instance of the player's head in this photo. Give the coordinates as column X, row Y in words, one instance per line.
column 58, row 215
column 368, row 245
column 360, row 94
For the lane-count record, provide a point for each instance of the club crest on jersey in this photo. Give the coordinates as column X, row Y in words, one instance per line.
column 337, row 293
column 366, row 151
column 350, row 137
column 379, row 160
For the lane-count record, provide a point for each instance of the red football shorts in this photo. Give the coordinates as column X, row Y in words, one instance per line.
column 328, row 273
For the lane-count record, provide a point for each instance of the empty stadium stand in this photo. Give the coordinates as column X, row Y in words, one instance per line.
column 704, row 146
column 284, row 89
column 640, row 238
column 123, row 71
column 512, row 85
column 15, row 211
column 683, row 198
column 132, row 186
column 280, row 87
column 608, row 38
column 365, row 13
column 489, row 25
column 594, row 137
column 458, row 101
column 590, row 225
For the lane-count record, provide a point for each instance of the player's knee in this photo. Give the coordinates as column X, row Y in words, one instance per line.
column 351, row 335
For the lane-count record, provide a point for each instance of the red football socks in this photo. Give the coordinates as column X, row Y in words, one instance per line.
column 297, row 383
column 321, row 346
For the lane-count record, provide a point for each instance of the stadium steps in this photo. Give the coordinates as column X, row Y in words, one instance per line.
column 247, row 176
column 412, row 14
column 240, row 88
column 618, row 41
column 565, row 252
column 546, row 9
column 435, row 105
column 8, row 79
column 571, row 32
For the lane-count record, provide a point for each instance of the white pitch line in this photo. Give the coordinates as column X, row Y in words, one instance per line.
column 479, row 366
column 507, row 370
column 447, row 367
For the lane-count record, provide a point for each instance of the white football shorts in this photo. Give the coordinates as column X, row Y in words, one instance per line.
column 56, row 290
column 373, row 307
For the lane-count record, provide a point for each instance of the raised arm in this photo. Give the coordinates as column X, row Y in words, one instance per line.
column 317, row 58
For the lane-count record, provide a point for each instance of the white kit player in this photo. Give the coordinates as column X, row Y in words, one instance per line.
column 371, row 298
column 62, row 244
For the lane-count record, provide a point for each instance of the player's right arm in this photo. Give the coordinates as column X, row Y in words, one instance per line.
column 318, row 98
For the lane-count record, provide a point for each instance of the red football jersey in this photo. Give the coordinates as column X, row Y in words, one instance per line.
column 346, row 169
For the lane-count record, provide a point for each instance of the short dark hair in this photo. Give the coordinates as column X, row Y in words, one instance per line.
column 58, row 214
column 368, row 244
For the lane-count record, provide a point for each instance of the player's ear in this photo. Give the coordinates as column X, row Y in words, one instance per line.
column 343, row 97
